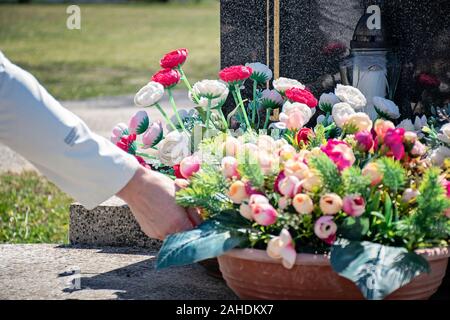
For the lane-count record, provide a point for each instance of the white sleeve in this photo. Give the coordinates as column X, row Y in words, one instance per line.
column 83, row 164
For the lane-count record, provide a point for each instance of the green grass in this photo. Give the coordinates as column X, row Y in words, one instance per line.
column 117, row 49
column 32, row 210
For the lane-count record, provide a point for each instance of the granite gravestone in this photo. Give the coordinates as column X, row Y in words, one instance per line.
column 309, row 39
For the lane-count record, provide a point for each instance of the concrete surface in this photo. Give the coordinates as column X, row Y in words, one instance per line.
column 46, row 271
column 101, row 115
column 110, row 224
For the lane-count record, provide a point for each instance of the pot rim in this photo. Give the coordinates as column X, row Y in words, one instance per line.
column 430, row 254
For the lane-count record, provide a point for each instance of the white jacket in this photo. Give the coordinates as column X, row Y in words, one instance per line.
column 83, row 164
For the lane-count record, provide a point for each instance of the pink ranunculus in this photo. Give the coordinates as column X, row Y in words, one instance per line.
column 354, row 205
column 325, row 229
column 303, row 203
column 340, row 153
column 189, row 166
column 118, row 131
column 229, row 167
column 167, row 77
column 293, row 120
column 330, row 203
column 235, row 74
column 373, row 171
column 276, row 184
column 381, row 127
column 238, row 192
column 365, row 140
column 245, row 209
column 289, row 186
column 153, row 135
column 174, row 58
column 418, row 149
column 139, row 122
column 394, row 141
column 282, row 247
column 264, row 214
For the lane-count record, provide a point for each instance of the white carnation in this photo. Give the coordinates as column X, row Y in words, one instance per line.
column 351, row 95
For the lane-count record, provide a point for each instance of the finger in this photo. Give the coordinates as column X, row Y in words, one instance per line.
column 194, row 216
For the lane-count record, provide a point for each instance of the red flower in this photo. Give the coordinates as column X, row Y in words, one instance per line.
column 235, row 73
column 428, row 81
column 167, row 77
column 126, row 143
column 142, row 162
column 276, row 184
column 334, row 48
column 177, row 172
column 365, row 140
column 174, row 59
column 303, row 135
column 301, row 96
column 340, row 153
column 394, row 141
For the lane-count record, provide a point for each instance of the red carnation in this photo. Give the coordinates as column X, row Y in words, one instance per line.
column 235, row 73
column 167, row 77
column 301, row 96
column 428, row 81
column 126, row 143
column 174, row 59
column 303, row 135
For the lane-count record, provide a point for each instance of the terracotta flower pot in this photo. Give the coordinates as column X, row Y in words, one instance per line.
column 252, row 274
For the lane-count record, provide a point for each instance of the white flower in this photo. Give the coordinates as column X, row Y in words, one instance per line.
column 174, row 148
column 360, row 120
column 419, row 123
column 439, row 155
column 118, row 131
column 351, row 95
column 261, row 73
column 321, row 119
column 148, row 95
column 445, row 136
column 210, row 89
column 271, row 99
column 385, row 107
column 329, row 98
column 341, row 112
column 283, row 84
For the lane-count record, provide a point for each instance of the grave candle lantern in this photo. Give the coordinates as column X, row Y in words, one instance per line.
column 372, row 67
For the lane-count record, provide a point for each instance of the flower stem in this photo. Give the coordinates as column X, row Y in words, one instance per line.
column 208, row 113
column 164, row 114
column 255, row 87
column 237, row 92
column 174, row 107
column 187, row 83
column 145, row 155
column 268, row 112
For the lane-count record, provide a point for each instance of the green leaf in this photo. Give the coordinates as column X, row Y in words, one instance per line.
column 377, row 270
column 328, row 172
column 355, row 182
column 251, row 170
column 143, row 126
column 208, row 240
column 393, row 173
column 388, row 210
column 354, row 228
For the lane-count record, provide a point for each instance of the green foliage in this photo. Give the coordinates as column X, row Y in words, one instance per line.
column 328, row 172
column 354, row 182
column 251, row 170
column 394, row 175
column 354, row 228
column 206, row 190
column 318, row 138
column 427, row 222
column 32, row 210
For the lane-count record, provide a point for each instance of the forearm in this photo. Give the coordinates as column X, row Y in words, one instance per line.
column 57, row 142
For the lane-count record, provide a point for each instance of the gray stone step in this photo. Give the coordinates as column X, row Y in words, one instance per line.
column 110, row 224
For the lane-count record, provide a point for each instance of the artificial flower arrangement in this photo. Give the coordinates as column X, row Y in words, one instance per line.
column 352, row 187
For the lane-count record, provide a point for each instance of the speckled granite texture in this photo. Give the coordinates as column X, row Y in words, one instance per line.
column 309, row 29
column 110, row 224
column 45, row 271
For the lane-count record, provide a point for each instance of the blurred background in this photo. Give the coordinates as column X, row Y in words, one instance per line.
column 94, row 72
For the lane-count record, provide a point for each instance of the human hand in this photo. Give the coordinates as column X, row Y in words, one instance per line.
column 151, row 197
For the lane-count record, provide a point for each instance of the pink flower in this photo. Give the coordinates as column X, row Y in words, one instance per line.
column 325, row 229
column 381, row 127
column 139, row 122
column 118, row 131
column 264, row 214
column 246, row 209
column 127, row 143
column 276, row 184
column 303, row 203
column 340, row 153
column 301, row 96
column 418, row 149
column 237, row 192
column 235, row 74
column 354, row 205
column 330, row 203
column 365, row 140
column 229, row 167
column 447, row 187
column 174, row 58
column 394, row 141
column 282, row 248
column 289, row 186
column 167, row 77
column 189, row 166
column 293, row 120
column 372, row 170
column 231, row 146
column 303, row 135
column 153, row 135
column 283, row 202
